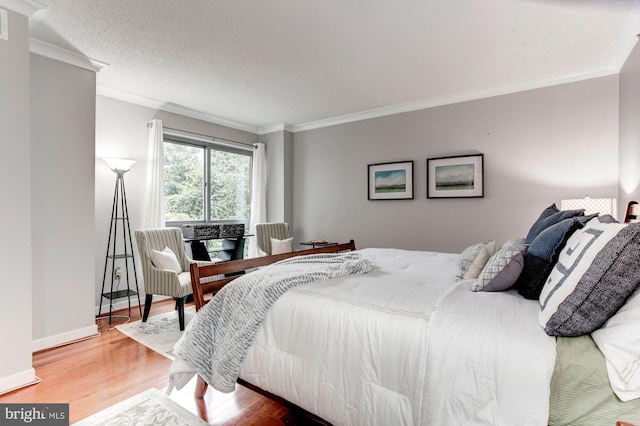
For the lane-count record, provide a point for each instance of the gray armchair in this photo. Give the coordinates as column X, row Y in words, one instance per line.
column 266, row 231
column 164, row 282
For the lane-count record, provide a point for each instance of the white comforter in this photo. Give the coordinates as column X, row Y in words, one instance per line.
column 404, row 344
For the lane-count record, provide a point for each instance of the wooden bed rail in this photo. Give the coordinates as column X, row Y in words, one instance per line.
column 232, row 269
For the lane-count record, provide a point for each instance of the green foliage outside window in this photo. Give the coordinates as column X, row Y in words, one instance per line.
column 229, row 184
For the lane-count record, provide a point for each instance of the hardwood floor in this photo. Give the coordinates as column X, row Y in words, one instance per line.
column 96, row 373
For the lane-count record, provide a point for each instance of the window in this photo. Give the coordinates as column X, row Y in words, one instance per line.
column 184, row 183
column 206, row 182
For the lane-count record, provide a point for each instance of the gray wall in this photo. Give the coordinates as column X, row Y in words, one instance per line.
column 63, row 99
column 280, row 165
column 539, row 147
column 15, row 216
column 630, row 131
column 121, row 132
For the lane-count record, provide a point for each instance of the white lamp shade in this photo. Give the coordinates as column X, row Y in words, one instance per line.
column 591, row 205
column 119, row 164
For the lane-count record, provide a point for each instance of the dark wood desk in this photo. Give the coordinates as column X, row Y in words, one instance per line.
column 232, row 248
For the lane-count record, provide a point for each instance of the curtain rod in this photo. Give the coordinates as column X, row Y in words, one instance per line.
column 213, row 138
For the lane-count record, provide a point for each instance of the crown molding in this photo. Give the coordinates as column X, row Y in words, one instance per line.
column 176, row 109
column 54, row 52
column 628, row 38
column 23, row 7
column 278, row 127
column 369, row 114
column 456, row 98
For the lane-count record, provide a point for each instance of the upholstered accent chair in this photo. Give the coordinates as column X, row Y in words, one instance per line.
column 169, row 275
column 266, row 231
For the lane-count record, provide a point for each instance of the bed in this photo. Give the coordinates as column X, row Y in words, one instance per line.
column 411, row 341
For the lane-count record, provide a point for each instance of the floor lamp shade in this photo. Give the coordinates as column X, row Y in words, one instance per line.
column 119, row 164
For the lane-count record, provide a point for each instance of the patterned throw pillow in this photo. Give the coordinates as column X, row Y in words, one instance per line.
column 503, row 268
column 597, row 271
column 519, row 242
column 542, row 256
column 466, row 258
column 550, row 216
column 607, row 218
column 480, row 261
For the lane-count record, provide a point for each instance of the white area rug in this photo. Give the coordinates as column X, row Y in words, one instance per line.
column 160, row 332
column 149, row 408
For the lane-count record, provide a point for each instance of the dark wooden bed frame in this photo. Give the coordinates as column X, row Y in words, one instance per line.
column 232, row 270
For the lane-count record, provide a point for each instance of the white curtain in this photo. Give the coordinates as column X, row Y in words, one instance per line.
column 154, row 191
column 258, row 195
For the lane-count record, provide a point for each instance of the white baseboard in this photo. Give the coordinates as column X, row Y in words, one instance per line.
column 83, row 333
column 18, row 380
column 64, row 338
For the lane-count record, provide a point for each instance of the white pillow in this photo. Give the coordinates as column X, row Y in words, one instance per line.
column 165, row 259
column 619, row 342
column 481, row 259
column 281, row 246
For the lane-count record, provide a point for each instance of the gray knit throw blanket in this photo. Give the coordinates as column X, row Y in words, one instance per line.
column 216, row 341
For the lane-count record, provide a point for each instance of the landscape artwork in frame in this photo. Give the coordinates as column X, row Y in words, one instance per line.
column 391, row 181
column 460, row 176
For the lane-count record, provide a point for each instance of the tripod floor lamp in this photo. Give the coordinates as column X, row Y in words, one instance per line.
column 119, row 250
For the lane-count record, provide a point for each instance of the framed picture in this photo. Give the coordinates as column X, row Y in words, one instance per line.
column 460, row 176
column 391, row 181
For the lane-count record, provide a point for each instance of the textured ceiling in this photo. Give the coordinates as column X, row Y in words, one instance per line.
column 304, row 62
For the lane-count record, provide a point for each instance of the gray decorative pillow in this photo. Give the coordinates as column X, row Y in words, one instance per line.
column 466, row 258
column 597, row 271
column 514, row 242
column 502, row 270
column 508, row 276
column 607, row 218
column 550, row 216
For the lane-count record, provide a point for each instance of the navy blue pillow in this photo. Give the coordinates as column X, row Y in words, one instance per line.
column 542, row 255
column 550, row 216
